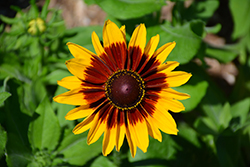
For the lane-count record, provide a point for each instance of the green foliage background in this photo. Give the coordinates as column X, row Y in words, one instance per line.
column 213, row 131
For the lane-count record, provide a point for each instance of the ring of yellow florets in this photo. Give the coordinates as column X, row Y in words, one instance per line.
column 125, row 89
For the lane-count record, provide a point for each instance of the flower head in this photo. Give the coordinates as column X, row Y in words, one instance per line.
column 36, row 26
column 123, row 90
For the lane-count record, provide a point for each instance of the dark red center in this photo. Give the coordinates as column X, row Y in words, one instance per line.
column 125, row 89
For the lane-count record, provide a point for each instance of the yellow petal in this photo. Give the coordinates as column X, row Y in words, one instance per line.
column 170, row 93
column 84, row 125
column 108, row 140
column 112, row 34
column 96, row 130
column 131, row 142
column 167, row 67
column 119, row 116
column 97, row 45
column 170, row 104
column 164, row 121
column 123, row 30
column 136, row 46
column 79, row 52
column 139, row 132
column 79, row 112
column 77, row 67
column 177, row 78
column 73, row 97
column 120, row 134
column 153, row 131
column 114, row 45
column 163, row 52
column 152, row 45
column 70, row 82
column 138, row 37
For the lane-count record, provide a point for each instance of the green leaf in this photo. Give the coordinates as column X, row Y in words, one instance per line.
column 212, row 110
column 32, row 94
column 165, row 149
column 214, row 29
column 196, row 87
column 228, row 149
column 225, row 116
column 239, row 112
column 80, row 33
column 20, row 41
column 55, row 76
column 44, row 131
column 206, row 8
column 16, row 124
column 11, row 71
column 1, row 28
column 185, row 149
column 127, row 9
column 73, row 147
column 4, row 96
column 199, row 10
column 17, row 153
column 34, row 164
column 102, row 161
column 27, row 102
column 57, row 161
column 35, row 49
column 205, row 125
column 240, row 12
column 191, row 150
column 246, row 132
column 3, row 139
column 44, row 11
column 33, row 11
column 189, row 134
column 214, row 99
column 17, row 9
column 187, row 37
column 212, row 103
column 196, row 91
column 16, row 121
column 156, row 150
column 223, row 55
column 62, row 109
column 38, row 90
column 9, row 20
column 57, row 24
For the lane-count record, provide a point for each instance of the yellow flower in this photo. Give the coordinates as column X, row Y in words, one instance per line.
column 36, row 26
column 123, row 90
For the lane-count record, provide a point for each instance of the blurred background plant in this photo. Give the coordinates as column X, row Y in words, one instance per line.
column 213, row 43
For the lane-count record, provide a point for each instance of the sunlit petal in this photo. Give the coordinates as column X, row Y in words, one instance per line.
column 177, row 78
column 79, row 52
column 70, row 82
column 162, row 53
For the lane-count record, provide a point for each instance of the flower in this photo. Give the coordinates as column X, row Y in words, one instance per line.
column 123, row 90
column 36, row 26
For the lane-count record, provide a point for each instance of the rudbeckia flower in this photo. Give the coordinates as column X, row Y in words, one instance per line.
column 123, row 90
